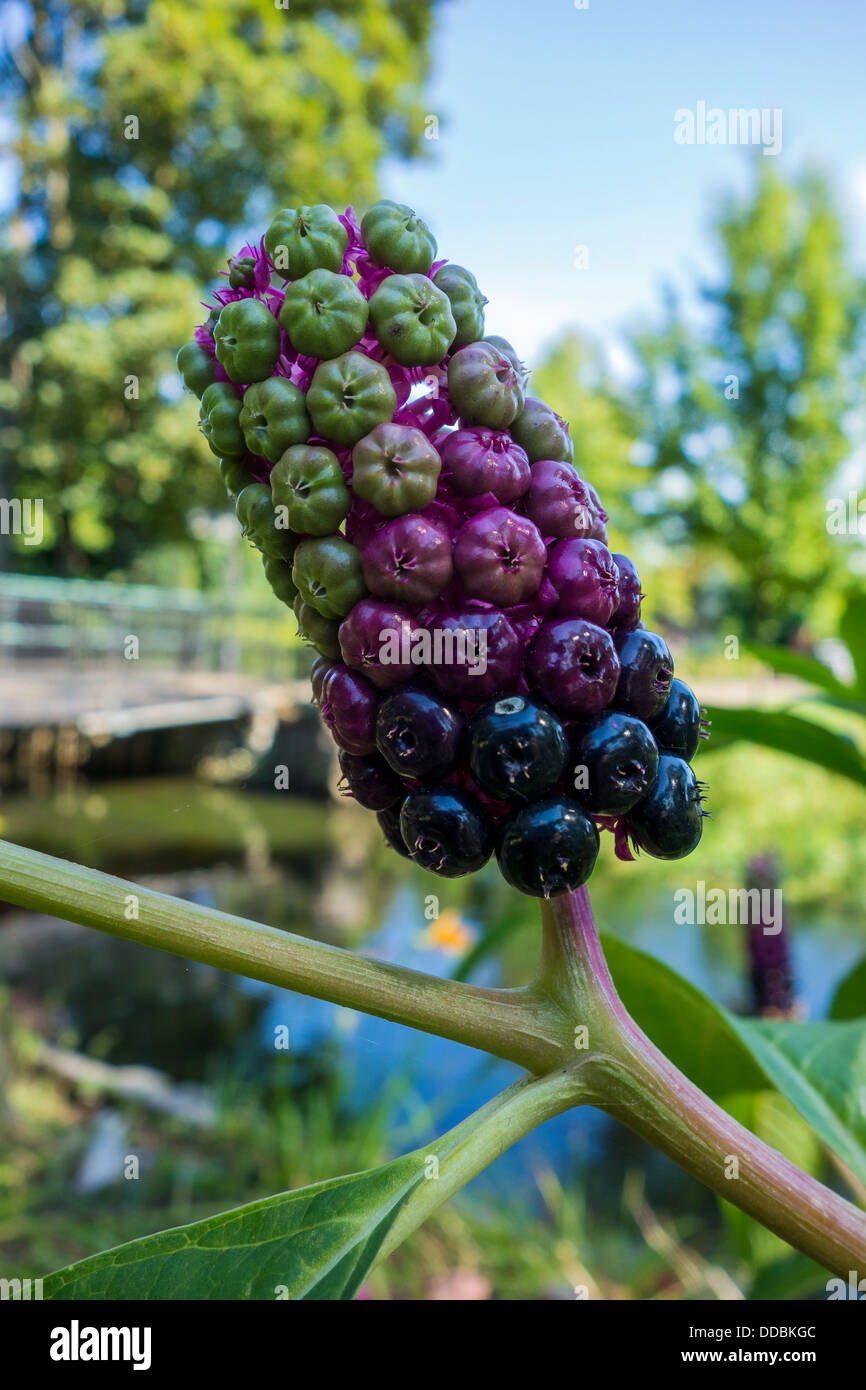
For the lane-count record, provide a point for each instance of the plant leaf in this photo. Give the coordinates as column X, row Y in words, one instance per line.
column 852, row 630
column 315, row 1243
column 849, row 1001
column 805, row 668
column 788, row 733
column 820, row 1067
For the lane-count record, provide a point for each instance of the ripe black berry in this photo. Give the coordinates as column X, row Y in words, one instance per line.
column 669, row 820
column 419, row 734
column 620, row 759
column 371, row 781
column 548, row 847
column 646, row 672
column 517, row 749
column 446, row 830
column 389, row 824
column 681, row 724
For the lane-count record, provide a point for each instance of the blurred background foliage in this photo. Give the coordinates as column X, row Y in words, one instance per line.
column 715, row 452
column 146, row 136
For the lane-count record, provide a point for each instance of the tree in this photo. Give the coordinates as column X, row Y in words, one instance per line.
column 744, row 413
column 146, row 135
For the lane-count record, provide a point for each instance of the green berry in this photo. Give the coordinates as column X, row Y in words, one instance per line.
column 348, row 397
column 466, row 300
column 303, row 239
column 412, row 320
column 273, row 417
column 327, row 572
column 308, row 481
column 396, row 238
column 324, row 314
column 247, row 338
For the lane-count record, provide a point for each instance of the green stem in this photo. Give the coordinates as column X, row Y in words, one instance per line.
column 635, row 1082
column 478, row 1141
column 512, row 1024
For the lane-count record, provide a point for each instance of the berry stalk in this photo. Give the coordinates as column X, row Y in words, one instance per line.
column 633, row 1081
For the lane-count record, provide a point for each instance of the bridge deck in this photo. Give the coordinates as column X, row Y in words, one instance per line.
column 122, row 699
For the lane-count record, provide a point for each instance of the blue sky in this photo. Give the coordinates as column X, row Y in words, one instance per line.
column 557, row 131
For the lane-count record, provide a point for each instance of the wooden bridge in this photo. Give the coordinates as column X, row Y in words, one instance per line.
column 135, row 678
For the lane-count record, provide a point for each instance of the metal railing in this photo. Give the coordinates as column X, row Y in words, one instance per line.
column 87, row 622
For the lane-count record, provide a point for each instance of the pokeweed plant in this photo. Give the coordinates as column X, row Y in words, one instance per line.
column 484, row 670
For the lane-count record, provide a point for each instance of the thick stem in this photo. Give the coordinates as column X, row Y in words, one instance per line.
column 641, row 1087
column 512, row 1024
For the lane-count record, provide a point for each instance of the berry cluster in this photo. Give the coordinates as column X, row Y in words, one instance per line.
column 482, row 663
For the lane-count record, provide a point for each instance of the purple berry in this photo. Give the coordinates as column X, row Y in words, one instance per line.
column 408, row 560
column 418, row 734
column 349, row 704
column 647, row 669
column 499, row 557
column 598, row 530
column 371, row 781
column 558, row 502
column 476, row 653
column 321, row 667
column 573, row 664
column 480, row 460
column 585, row 577
column 377, row 638
column 626, row 615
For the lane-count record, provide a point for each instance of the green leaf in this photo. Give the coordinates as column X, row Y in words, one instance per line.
column 788, row 733
column 796, row 1277
column 690, row 1029
column 805, row 668
column 820, row 1067
column 852, row 630
column 849, row 1001
column 315, row 1243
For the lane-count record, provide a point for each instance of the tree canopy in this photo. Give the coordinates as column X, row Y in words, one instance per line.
column 146, row 137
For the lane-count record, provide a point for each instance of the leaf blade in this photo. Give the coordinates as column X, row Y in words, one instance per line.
column 317, row 1242
column 789, row 733
column 819, row 1067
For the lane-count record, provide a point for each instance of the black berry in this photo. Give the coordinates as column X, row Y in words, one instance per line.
column 615, row 762
column 517, row 749
column 669, row 820
column 548, row 847
column 389, row 824
column 681, row 725
column 419, row 734
column 446, row 830
column 371, row 781
column 646, row 672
